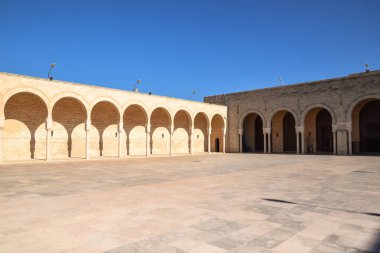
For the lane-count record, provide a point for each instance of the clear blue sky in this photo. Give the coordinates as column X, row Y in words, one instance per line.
column 174, row 47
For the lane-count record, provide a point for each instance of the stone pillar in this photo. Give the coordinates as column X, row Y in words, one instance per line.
column 49, row 123
column 269, row 143
column 119, row 146
column 300, row 130
column 88, row 127
column 171, row 139
column 148, row 140
column 209, row 140
column 224, row 140
column 2, row 122
column 267, row 131
column 191, row 140
column 334, row 130
column 240, row 132
column 265, row 142
column 298, row 142
column 349, row 132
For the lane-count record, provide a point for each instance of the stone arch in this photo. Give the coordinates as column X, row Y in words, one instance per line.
column 282, row 108
column 324, row 106
column 351, row 107
column 83, row 102
column 201, row 124
column 24, row 133
column 318, row 121
column 104, row 134
column 142, row 105
column 160, row 123
column 26, row 89
column 207, row 117
column 283, row 122
column 247, row 112
column 251, row 126
column 156, row 106
column 135, row 119
column 105, row 99
column 68, row 135
column 363, row 126
column 182, row 123
column 217, row 132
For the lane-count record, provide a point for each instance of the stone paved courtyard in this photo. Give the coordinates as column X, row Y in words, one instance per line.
column 201, row 203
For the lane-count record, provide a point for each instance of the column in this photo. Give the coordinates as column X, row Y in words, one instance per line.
column 171, row 139
column 303, row 142
column 240, row 132
column 88, row 127
column 209, row 140
column 148, row 140
column 191, row 140
column 224, row 140
column 349, row 132
column 48, row 138
column 119, row 146
column 298, row 142
column 2, row 122
column 269, row 143
column 265, row 142
column 334, row 129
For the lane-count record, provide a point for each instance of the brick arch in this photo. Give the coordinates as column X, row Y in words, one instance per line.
column 324, row 106
column 282, row 108
column 106, row 99
column 217, row 133
column 247, row 112
column 141, row 105
column 135, row 120
column 200, row 141
column 105, row 119
column 8, row 94
column 217, row 113
column 69, row 117
column 82, row 101
column 164, row 107
column 182, row 123
column 352, row 106
column 24, row 130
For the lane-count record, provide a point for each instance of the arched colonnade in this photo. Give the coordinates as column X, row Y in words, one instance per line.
column 313, row 130
column 34, row 126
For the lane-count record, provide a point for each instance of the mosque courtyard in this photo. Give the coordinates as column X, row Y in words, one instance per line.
column 214, row 203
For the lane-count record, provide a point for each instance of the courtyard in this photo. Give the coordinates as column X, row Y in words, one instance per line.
column 214, row 203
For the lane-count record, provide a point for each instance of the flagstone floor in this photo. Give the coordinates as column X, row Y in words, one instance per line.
column 214, row 203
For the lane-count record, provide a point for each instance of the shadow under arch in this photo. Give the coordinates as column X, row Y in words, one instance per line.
column 135, row 120
column 31, row 110
column 68, row 113
column 103, row 115
column 201, row 125
column 161, row 121
column 181, row 134
column 217, row 132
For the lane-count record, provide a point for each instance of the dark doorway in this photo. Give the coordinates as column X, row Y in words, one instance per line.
column 369, row 125
column 324, row 132
column 259, row 135
column 289, row 131
column 217, row 145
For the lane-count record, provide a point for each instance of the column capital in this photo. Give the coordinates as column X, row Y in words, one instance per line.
column 2, row 122
column 49, row 123
column 300, row 129
column 209, row 131
column 267, row 130
column 88, row 125
column 240, row 131
column 120, row 127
